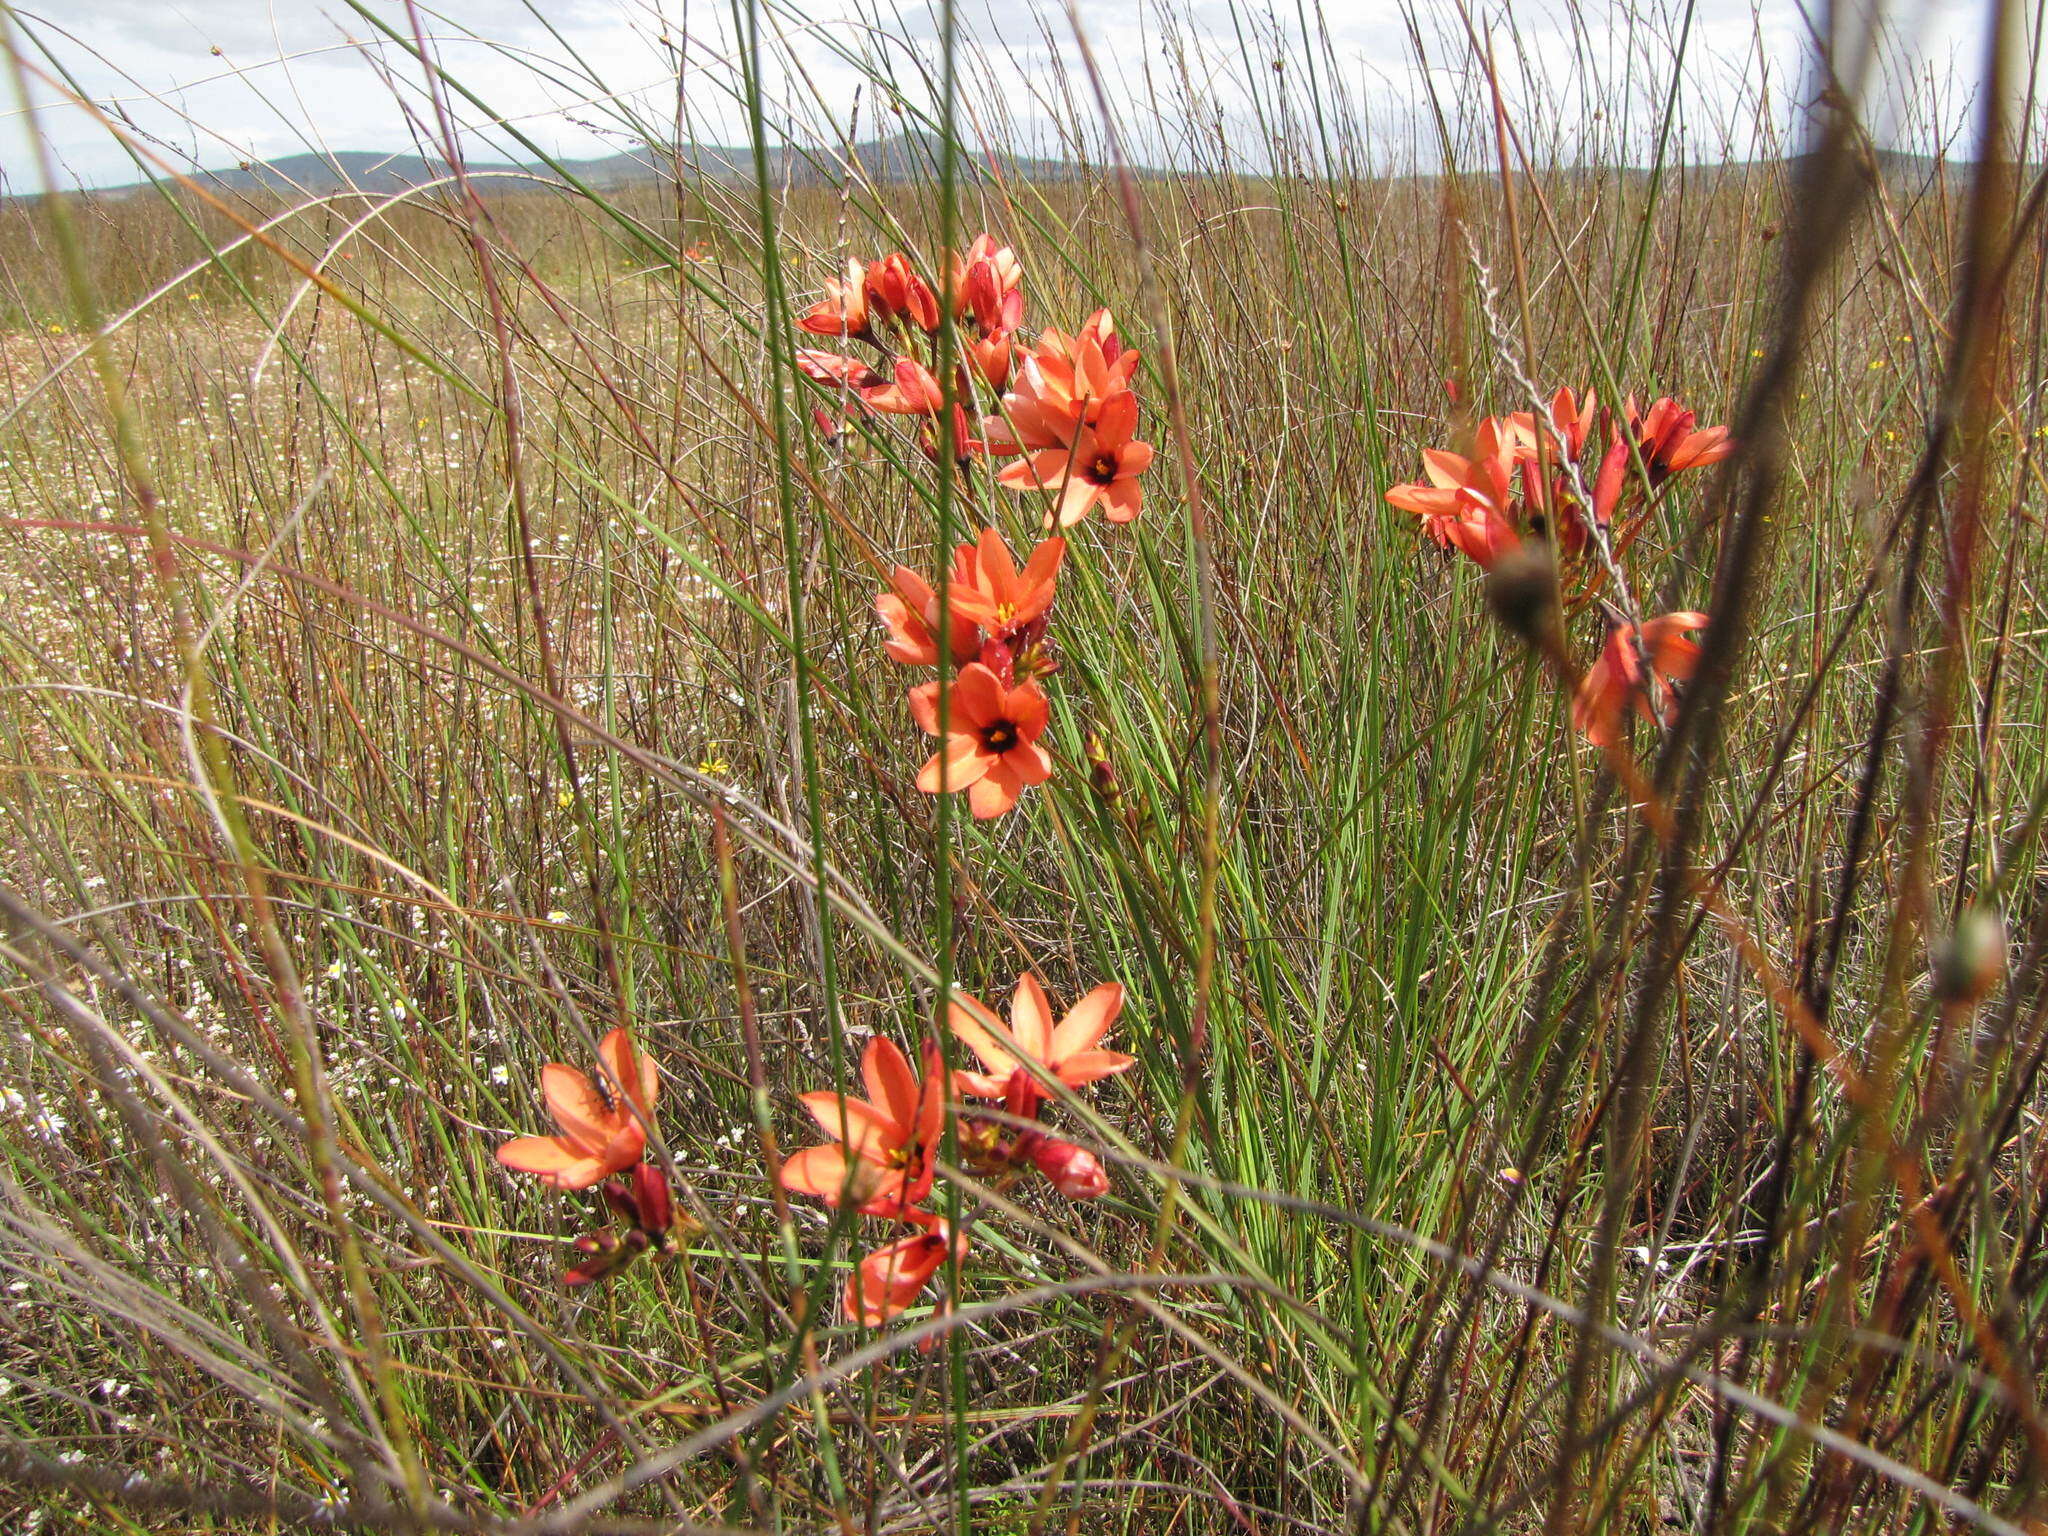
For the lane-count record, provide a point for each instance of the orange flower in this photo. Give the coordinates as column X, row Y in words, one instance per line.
column 989, row 591
column 987, row 283
column 991, row 745
column 836, row 372
column 991, row 356
column 602, row 1131
column 881, row 1156
column 1616, row 679
column 844, row 309
column 1668, row 441
column 1099, row 329
column 894, row 289
column 1068, row 1052
column 888, row 1280
column 911, row 613
column 1456, row 486
column 1607, row 484
column 1570, row 420
column 1101, row 467
column 914, row 392
column 1064, row 385
column 1464, row 502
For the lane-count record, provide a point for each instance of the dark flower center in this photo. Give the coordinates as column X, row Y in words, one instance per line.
column 999, row 737
column 1102, row 469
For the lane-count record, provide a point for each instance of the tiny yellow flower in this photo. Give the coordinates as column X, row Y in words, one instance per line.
column 1876, row 363
column 565, row 798
column 1756, row 351
column 712, row 766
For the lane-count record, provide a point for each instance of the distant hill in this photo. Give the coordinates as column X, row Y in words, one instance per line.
column 904, row 157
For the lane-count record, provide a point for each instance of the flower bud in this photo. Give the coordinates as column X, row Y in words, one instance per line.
column 1101, row 772
column 619, row 1196
column 606, row 1254
column 656, row 1211
column 1074, row 1171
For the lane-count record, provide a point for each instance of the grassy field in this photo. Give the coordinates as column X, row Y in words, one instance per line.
column 438, row 632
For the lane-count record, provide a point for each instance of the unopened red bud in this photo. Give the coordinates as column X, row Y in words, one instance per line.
column 651, row 1196
column 1074, row 1171
column 606, row 1254
column 1001, row 660
column 619, row 1195
column 1101, row 772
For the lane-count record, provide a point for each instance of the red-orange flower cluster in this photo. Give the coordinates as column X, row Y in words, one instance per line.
column 880, row 1158
column 1484, row 502
column 1531, row 475
column 1067, row 415
column 954, row 358
column 602, row 1142
column 1073, row 418
column 996, row 708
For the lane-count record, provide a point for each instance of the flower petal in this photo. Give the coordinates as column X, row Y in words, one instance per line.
column 1085, row 1067
column 1077, row 500
column 548, row 1156
column 1118, row 419
column 1028, row 762
column 1087, row 1022
column 629, row 1069
column 977, row 696
column 965, row 1018
column 828, row 1173
column 587, row 1121
column 1123, row 500
column 959, row 765
column 1031, row 1018
column 866, row 1130
column 995, row 794
column 891, row 1084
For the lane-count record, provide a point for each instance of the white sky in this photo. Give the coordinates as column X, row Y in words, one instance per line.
column 214, row 83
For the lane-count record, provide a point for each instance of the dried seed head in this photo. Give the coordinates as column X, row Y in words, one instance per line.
column 1968, row 963
column 1522, row 591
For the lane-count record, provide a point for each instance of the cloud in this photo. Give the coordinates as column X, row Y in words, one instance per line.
column 214, row 83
